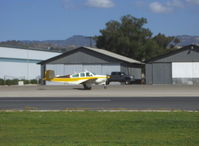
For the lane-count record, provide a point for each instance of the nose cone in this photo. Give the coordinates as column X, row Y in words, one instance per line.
column 101, row 79
column 102, row 76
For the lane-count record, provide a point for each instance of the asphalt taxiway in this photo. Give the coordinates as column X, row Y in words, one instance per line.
column 108, row 103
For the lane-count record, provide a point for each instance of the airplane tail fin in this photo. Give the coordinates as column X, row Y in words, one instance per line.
column 49, row 74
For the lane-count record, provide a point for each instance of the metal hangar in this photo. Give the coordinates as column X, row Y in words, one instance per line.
column 177, row 67
column 95, row 60
column 17, row 63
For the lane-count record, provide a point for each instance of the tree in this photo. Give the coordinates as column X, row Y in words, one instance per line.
column 130, row 38
column 126, row 37
column 162, row 40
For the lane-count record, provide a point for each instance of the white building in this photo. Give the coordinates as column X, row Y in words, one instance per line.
column 22, row 63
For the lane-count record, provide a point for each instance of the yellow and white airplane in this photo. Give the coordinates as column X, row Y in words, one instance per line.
column 87, row 79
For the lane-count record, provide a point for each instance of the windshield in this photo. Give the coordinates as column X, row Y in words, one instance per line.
column 89, row 74
column 82, row 74
column 93, row 73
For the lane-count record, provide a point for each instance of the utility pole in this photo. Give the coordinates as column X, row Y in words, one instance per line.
column 91, row 42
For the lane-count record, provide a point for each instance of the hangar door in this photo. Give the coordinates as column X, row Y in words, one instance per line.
column 161, row 73
column 63, row 69
column 185, row 70
column 104, row 69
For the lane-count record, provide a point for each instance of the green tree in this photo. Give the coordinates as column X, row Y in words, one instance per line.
column 126, row 37
column 162, row 40
column 130, row 38
column 165, row 43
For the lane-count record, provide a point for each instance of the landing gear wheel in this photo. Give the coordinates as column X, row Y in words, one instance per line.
column 86, row 87
column 107, row 82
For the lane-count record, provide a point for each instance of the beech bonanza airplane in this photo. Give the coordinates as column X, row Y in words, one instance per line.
column 87, row 79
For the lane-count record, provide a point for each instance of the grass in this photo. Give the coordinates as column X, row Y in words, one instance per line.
column 99, row 128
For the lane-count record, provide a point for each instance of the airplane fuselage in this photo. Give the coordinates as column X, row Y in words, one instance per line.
column 99, row 79
column 85, row 78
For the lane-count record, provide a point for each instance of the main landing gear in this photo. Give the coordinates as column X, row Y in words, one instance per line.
column 87, row 86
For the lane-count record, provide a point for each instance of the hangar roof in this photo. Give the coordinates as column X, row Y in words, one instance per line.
column 114, row 55
column 188, row 53
column 96, row 50
column 16, row 53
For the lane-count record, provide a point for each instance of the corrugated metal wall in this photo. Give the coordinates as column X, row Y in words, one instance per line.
column 173, row 73
column 185, row 70
column 178, row 68
column 107, row 69
column 61, row 69
column 16, row 70
column 149, row 73
column 185, row 73
column 132, row 71
column 136, row 72
column 161, row 73
column 22, row 63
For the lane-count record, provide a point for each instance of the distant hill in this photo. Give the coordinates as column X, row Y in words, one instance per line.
column 187, row 40
column 53, row 45
column 77, row 41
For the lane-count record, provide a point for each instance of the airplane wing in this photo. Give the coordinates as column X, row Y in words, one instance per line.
column 89, row 81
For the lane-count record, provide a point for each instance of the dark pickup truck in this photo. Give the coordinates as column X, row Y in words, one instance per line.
column 120, row 77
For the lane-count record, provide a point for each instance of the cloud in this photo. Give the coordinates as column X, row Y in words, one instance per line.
column 175, row 3
column 193, row 1
column 100, row 3
column 167, row 7
column 71, row 4
column 67, row 4
column 140, row 3
column 158, row 7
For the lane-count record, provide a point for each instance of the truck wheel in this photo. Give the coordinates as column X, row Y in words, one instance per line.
column 127, row 82
column 107, row 82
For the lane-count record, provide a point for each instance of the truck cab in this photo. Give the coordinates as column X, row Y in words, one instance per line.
column 120, row 77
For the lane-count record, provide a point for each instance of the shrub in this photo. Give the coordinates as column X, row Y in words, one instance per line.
column 26, row 81
column 33, row 81
column 11, row 82
column 15, row 81
column 1, row 81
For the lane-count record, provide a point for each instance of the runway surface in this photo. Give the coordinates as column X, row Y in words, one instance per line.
column 99, row 91
column 100, row 103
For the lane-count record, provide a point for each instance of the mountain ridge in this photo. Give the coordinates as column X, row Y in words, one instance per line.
column 77, row 41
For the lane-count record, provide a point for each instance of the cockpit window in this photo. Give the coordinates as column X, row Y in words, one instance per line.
column 82, row 74
column 88, row 74
column 75, row 75
column 93, row 73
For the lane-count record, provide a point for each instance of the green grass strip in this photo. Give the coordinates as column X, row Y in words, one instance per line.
column 99, row 128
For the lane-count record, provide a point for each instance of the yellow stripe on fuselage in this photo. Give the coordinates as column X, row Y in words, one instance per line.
column 73, row 79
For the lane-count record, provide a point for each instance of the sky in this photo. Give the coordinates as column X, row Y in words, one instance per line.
column 61, row 19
